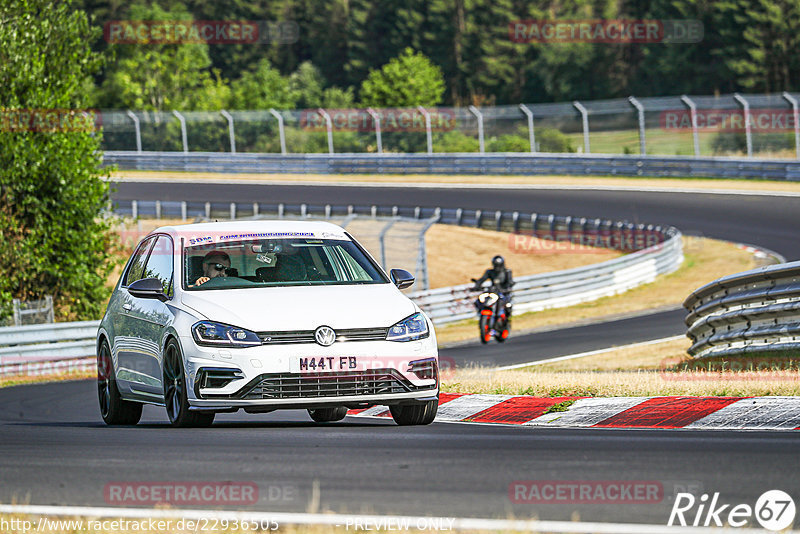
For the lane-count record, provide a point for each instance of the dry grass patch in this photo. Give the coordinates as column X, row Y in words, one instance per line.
column 621, row 384
column 19, row 380
column 457, row 253
column 705, row 261
column 645, row 357
column 499, row 180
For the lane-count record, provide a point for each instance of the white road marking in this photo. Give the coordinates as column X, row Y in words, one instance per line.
column 341, row 520
column 590, row 353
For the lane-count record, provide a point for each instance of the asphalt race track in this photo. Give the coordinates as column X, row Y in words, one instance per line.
column 563, row 341
column 56, row 450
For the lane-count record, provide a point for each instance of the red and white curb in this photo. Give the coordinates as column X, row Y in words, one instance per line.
column 702, row 413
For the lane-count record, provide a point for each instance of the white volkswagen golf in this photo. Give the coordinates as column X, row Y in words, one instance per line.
column 262, row 315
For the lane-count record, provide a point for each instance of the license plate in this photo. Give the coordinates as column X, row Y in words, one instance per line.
column 321, row 364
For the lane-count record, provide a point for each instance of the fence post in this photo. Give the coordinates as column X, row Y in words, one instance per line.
column 229, row 118
column 329, row 127
column 183, row 131
column 377, row 119
column 51, row 314
column 183, row 210
column 428, row 133
column 135, row 120
column 475, row 111
column 585, row 119
column 233, row 210
column 640, row 109
column 747, row 133
column 208, row 210
column 134, row 208
column 17, row 314
column 531, row 137
column 281, row 131
column 381, row 239
column 793, row 101
column 693, row 114
column 422, row 255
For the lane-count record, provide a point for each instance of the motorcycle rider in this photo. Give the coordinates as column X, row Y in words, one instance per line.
column 501, row 279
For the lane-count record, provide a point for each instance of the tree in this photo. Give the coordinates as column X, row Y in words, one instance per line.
column 407, row 80
column 262, row 88
column 53, row 237
column 151, row 76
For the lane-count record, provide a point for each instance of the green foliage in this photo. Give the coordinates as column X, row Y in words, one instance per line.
column 146, row 76
column 53, row 239
column 306, row 84
column 262, row 88
column 406, row 81
column 748, row 45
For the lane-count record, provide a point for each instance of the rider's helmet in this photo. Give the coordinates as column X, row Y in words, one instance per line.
column 498, row 262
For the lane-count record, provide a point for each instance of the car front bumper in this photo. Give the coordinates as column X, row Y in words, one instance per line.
column 288, row 376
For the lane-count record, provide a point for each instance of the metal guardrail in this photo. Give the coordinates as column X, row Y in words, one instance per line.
column 753, row 312
column 468, row 163
column 34, row 348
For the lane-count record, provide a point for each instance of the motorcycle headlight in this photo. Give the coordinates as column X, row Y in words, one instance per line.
column 409, row 329
column 213, row 334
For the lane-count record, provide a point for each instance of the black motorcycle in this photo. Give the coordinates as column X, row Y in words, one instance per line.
column 493, row 313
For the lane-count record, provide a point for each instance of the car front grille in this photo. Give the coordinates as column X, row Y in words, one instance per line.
column 307, row 336
column 343, row 384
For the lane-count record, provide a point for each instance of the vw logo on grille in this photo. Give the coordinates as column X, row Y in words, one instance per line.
column 325, row 336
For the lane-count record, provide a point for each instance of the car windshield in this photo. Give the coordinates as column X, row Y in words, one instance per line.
column 279, row 262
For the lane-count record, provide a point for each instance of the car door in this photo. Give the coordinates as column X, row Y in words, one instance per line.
column 124, row 345
column 147, row 320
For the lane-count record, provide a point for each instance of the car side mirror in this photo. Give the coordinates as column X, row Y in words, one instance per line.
column 401, row 278
column 148, row 288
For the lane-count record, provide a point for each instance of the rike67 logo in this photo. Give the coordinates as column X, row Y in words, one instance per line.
column 774, row 510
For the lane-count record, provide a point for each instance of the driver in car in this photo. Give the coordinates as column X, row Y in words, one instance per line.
column 215, row 264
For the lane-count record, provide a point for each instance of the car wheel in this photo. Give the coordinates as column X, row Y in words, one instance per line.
column 485, row 331
column 415, row 414
column 328, row 415
column 175, row 398
column 113, row 409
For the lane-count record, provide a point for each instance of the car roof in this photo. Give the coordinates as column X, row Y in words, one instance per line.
column 254, row 229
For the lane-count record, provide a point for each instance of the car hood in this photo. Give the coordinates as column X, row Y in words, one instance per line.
column 272, row 309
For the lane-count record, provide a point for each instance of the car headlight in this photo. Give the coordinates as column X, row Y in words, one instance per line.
column 213, row 334
column 409, row 329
